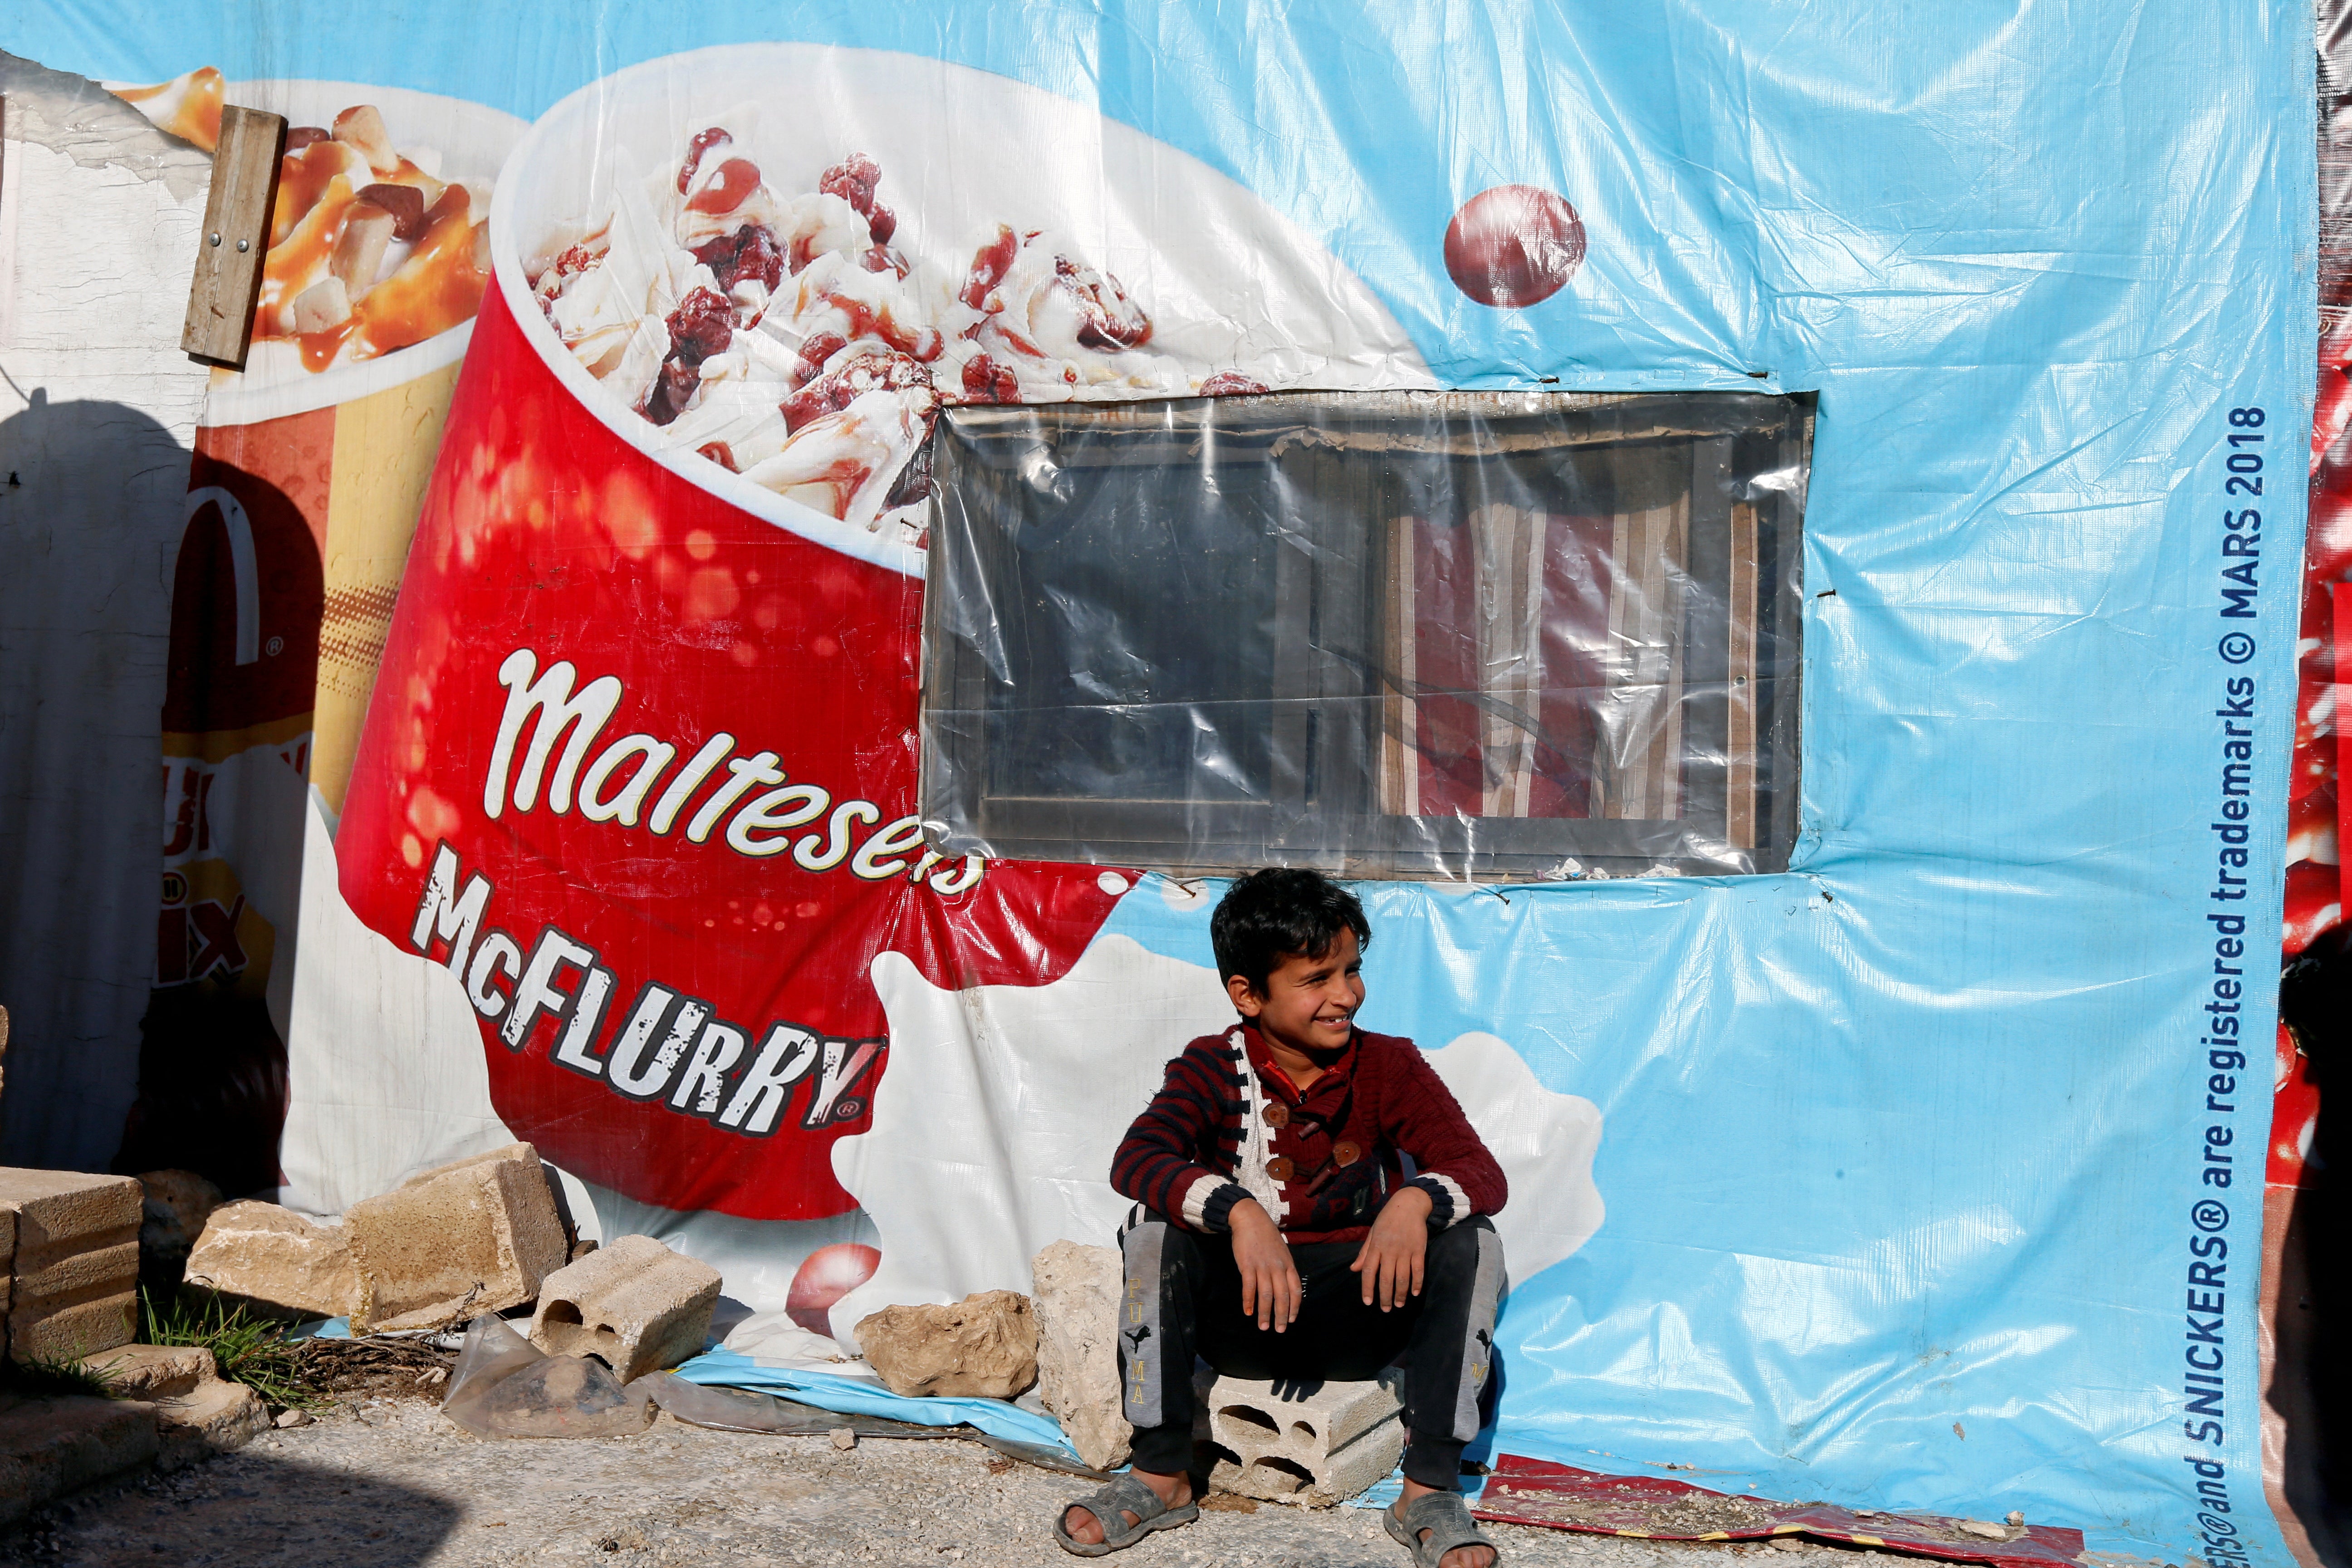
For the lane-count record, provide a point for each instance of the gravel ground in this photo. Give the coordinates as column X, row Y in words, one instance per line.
column 389, row 1484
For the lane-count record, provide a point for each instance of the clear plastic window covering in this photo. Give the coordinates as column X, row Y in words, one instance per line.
column 1458, row 635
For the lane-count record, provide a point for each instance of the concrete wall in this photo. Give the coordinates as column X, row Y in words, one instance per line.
column 99, row 218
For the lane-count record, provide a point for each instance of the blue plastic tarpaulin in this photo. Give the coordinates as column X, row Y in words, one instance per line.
column 1925, row 1173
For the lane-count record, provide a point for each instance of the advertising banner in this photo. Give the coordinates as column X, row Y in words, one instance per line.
column 763, row 575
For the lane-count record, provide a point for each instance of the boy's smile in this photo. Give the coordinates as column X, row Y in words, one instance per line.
column 1310, row 1004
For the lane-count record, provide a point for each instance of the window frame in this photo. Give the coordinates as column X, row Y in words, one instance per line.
column 1742, row 554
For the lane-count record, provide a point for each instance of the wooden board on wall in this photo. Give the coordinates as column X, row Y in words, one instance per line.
column 235, row 237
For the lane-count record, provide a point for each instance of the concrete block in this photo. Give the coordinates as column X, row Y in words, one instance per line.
column 477, row 1236
column 982, row 1347
column 215, row 1417
column 1075, row 1293
column 51, row 1447
column 74, row 1264
column 634, row 1305
column 275, row 1261
column 152, row 1372
column 1313, row 1443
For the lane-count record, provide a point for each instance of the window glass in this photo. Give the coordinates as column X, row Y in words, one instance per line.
column 1450, row 635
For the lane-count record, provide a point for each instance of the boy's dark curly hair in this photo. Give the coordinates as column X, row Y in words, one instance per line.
column 1270, row 914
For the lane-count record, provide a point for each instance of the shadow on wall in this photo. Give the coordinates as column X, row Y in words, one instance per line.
column 90, row 518
column 246, row 596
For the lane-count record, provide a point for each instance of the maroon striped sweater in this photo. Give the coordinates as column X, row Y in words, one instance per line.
column 1321, row 1163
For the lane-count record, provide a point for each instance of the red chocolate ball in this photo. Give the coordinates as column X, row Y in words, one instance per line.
column 1514, row 244
column 825, row 1276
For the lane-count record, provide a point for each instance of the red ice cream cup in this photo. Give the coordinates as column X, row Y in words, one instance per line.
column 640, row 763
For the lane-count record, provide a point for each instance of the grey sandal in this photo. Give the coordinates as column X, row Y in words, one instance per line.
column 1124, row 1495
column 1447, row 1519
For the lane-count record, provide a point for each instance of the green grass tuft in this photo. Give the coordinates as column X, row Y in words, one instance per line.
column 48, row 1377
column 247, row 1349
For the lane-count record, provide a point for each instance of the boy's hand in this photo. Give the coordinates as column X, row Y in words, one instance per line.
column 1392, row 1256
column 1270, row 1290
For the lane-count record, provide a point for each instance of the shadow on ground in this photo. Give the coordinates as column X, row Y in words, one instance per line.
column 266, row 1509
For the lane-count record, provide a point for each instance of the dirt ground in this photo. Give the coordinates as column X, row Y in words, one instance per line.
column 388, row 1483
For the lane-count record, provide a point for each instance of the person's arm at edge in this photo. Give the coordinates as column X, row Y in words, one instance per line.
column 1154, row 1164
column 1456, row 1176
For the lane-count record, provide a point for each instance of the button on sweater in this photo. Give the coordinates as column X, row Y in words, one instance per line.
column 1228, row 1124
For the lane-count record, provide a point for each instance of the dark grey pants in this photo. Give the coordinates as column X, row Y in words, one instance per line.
column 1183, row 1299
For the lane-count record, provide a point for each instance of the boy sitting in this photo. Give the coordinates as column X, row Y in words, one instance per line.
column 1271, row 1193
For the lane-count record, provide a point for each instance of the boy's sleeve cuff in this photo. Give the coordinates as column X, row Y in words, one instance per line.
column 1448, row 1204
column 1210, row 1200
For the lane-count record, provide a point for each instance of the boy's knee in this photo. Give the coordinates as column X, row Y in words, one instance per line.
column 1467, row 1247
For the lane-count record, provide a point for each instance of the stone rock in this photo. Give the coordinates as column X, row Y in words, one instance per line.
column 982, row 1347
column 50, row 1447
column 473, row 1237
column 277, row 1262
column 290, row 1419
column 216, row 1417
column 175, row 1205
column 152, row 1372
column 635, row 1305
column 1313, row 1443
column 844, row 1437
column 1076, row 1294
column 72, row 1245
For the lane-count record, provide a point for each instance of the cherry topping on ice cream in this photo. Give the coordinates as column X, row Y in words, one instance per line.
column 989, row 263
column 985, row 380
column 853, row 404
column 703, row 141
column 1111, row 320
column 874, row 371
column 702, row 325
column 854, row 180
column 818, row 348
column 729, row 189
column 749, row 252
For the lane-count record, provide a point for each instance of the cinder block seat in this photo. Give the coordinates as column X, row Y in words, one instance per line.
column 1315, row 1443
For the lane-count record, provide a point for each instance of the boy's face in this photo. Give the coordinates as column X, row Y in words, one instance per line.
column 1308, row 1003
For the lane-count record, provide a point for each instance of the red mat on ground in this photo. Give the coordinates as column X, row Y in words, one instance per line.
column 1534, row 1491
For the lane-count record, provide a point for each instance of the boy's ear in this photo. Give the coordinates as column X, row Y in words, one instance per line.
column 1246, row 1001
